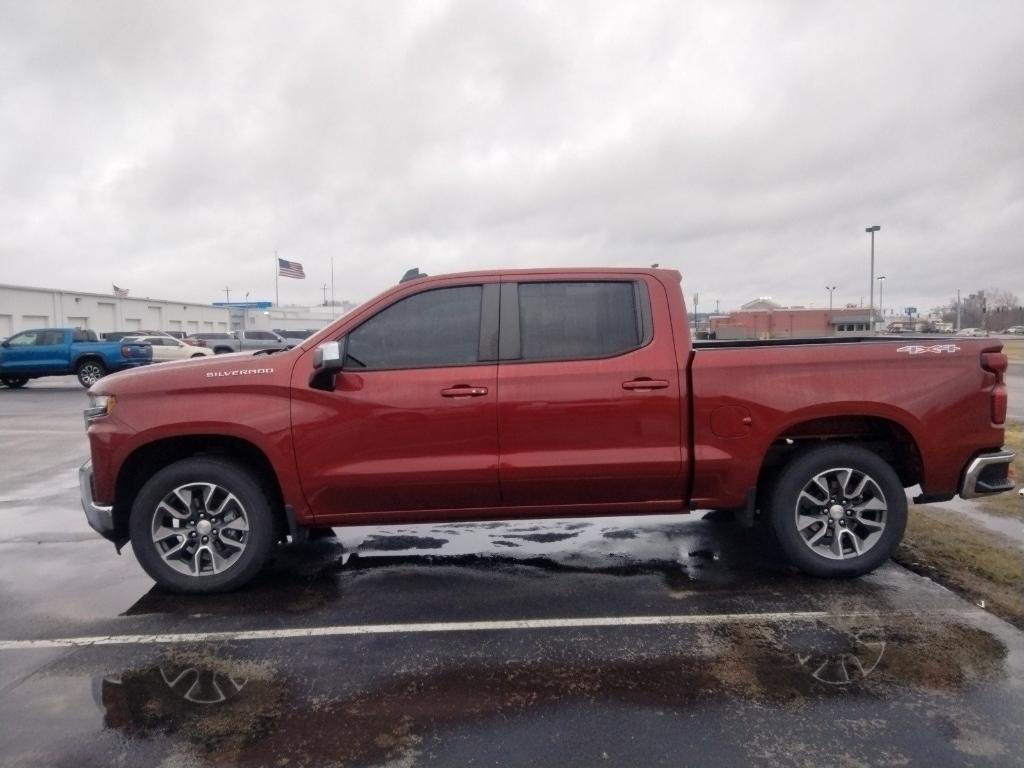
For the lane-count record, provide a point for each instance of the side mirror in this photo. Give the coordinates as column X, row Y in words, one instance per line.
column 327, row 361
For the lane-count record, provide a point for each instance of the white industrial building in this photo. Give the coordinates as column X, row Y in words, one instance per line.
column 23, row 307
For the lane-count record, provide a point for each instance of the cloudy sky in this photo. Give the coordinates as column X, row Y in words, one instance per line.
column 172, row 147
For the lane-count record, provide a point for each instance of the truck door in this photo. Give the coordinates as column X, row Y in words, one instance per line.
column 412, row 422
column 589, row 394
column 36, row 352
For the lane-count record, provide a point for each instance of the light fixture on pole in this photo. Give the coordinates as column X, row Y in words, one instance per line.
column 871, row 305
column 881, row 304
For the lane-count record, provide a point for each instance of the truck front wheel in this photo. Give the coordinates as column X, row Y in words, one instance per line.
column 202, row 525
column 838, row 510
column 14, row 382
column 89, row 372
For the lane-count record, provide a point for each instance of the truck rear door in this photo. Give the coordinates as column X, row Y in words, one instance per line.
column 590, row 393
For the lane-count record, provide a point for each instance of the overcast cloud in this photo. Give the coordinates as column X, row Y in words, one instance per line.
column 172, row 147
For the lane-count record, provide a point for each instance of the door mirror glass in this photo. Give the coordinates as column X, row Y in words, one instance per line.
column 327, row 357
column 327, row 362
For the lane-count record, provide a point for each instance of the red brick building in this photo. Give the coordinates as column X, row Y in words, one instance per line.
column 764, row 319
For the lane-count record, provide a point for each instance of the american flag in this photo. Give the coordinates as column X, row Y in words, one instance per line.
column 290, row 269
column 120, row 293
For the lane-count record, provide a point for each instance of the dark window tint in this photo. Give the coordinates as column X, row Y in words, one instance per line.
column 564, row 321
column 430, row 329
column 260, row 335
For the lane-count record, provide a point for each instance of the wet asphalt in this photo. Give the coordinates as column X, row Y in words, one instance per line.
column 739, row 661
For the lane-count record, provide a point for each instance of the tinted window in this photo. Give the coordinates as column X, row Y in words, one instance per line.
column 260, row 336
column 49, row 338
column 563, row 321
column 429, row 329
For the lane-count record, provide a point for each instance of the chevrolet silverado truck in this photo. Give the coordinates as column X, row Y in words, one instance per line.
column 528, row 394
column 62, row 351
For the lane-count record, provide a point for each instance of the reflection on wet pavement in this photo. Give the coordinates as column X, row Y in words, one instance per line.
column 898, row 668
column 278, row 707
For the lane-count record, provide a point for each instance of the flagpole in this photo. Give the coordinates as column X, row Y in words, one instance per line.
column 277, row 281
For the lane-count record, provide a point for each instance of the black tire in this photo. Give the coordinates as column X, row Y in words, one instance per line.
column 198, row 354
column 89, row 371
column 14, row 382
column 251, row 498
column 845, row 519
column 222, row 350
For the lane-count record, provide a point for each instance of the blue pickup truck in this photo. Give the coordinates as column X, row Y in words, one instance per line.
column 62, row 351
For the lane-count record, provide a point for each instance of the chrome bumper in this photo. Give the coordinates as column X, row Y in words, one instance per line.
column 101, row 518
column 976, row 484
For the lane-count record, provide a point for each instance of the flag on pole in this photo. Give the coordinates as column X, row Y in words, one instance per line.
column 290, row 269
column 122, row 293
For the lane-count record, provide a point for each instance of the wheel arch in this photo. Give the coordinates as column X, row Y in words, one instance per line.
column 150, row 458
column 892, row 440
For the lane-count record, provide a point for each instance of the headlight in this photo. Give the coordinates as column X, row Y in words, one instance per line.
column 99, row 406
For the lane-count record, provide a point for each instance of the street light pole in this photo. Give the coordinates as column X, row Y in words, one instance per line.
column 881, row 304
column 830, row 289
column 871, row 306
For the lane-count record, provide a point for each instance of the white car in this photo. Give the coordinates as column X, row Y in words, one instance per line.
column 972, row 332
column 168, row 348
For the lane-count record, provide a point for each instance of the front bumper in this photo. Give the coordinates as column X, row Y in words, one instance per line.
column 100, row 517
column 988, row 474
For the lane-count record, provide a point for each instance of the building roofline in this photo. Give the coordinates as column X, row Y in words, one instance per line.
column 106, row 295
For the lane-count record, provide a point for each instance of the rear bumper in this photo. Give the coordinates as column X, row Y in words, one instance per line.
column 988, row 474
column 100, row 517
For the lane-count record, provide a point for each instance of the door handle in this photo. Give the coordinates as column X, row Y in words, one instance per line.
column 464, row 390
column 645, row 384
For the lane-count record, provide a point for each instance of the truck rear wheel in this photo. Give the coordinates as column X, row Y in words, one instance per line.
column 202, row 525
column 838, row 510
column 90, row 371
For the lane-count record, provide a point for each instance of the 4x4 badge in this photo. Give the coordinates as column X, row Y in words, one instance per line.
column 938, row 349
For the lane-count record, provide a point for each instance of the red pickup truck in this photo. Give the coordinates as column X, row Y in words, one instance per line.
column 540, row 393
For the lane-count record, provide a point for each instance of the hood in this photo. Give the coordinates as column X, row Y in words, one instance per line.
column 198, row 372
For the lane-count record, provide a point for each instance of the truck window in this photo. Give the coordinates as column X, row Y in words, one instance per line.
column 24, row 339
column 432, row 329
column 574, row 320
column 260, row 336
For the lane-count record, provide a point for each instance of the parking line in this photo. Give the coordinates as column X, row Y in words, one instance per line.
column 439, row 627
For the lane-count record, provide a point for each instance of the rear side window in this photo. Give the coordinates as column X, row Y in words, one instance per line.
column 573, row 320
column 427, row 330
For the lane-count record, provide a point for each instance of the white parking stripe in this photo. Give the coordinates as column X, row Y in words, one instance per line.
column 464, row 626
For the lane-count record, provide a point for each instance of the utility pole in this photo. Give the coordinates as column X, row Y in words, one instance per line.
column 696, row 298
column 227, row 295
column 871, row 306
column 716, row 306
column 957, row 309
column 881, row 304
column 332, row 282
column 324, row 289
column 830, row 289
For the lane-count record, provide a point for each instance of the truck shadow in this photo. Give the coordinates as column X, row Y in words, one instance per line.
column 687, row 556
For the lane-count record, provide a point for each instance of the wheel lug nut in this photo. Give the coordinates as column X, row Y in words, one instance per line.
column 205, row 539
